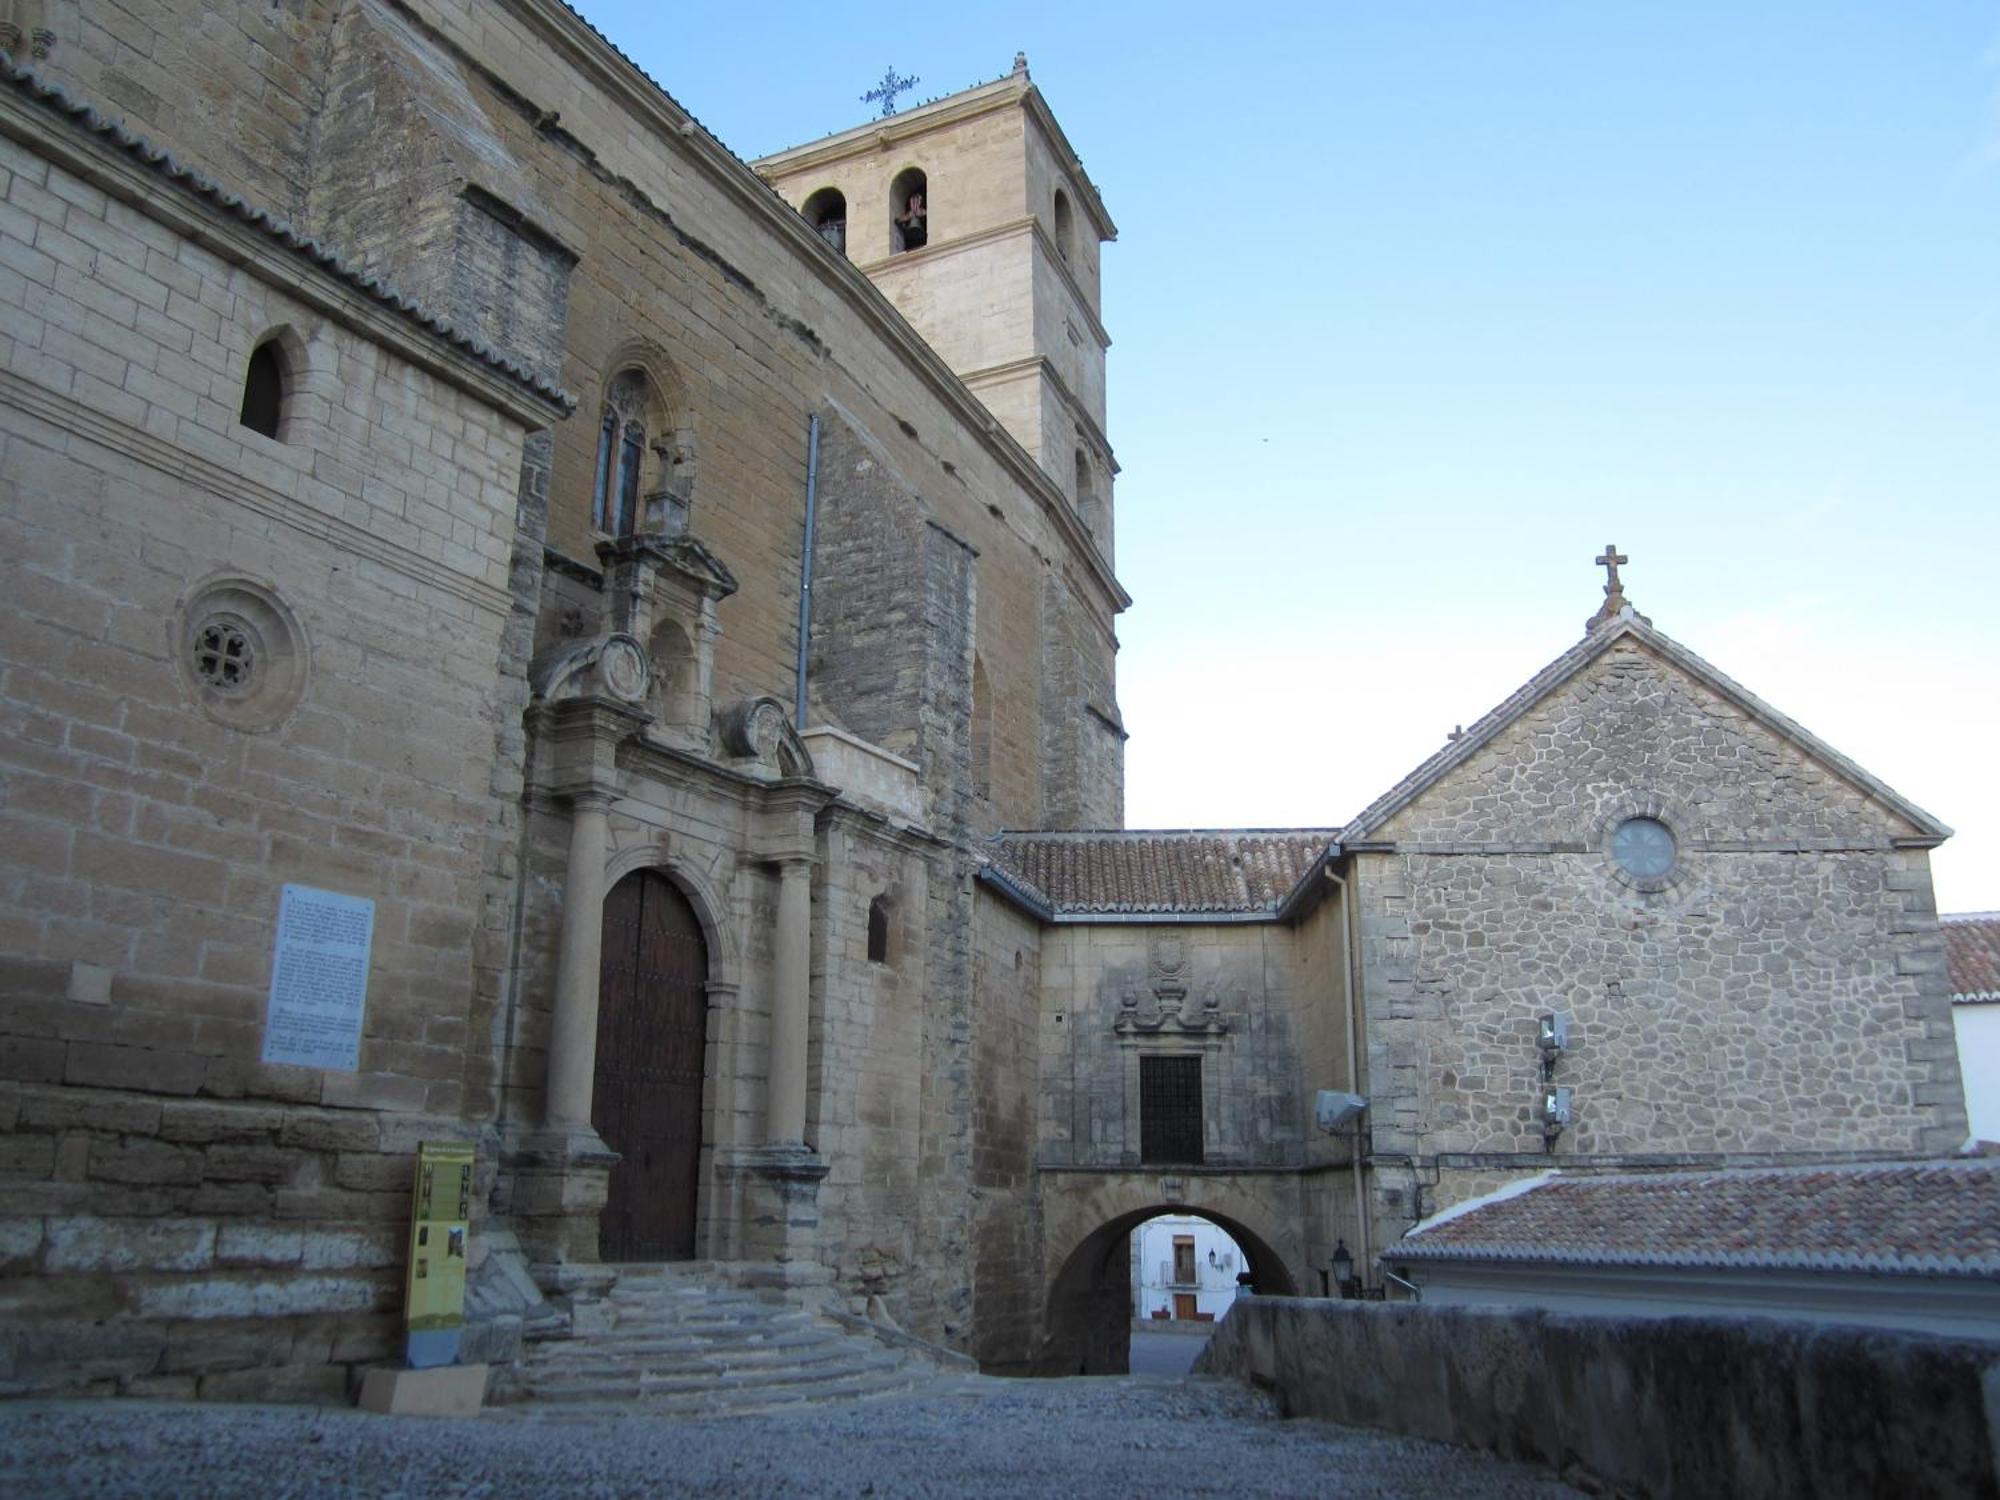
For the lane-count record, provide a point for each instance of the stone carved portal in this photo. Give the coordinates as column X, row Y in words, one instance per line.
column 652, row 1041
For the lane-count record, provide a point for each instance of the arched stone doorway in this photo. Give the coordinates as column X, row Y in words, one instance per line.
column 652, row 1043
column 1089, row 1318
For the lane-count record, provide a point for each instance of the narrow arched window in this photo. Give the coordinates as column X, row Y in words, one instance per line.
column 826, row 211
column 878, row 931
column 1065, row 228
column 621, row 455
column 909, row 211
column 607, row 443
column 264, row 389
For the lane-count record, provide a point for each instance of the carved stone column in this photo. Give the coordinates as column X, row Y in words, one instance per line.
column 573, row 1028
column 791, row 1007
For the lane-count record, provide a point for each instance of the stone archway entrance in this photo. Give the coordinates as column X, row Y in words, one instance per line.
column 1089, row 1319
column 652, row 1042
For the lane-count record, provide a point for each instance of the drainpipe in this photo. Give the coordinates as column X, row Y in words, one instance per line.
column 1352, row 988
column 806, row 569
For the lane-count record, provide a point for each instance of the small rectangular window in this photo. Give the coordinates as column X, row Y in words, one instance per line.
column 1170, row 1113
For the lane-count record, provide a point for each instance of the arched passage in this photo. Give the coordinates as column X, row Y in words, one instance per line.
column 1088, row 1323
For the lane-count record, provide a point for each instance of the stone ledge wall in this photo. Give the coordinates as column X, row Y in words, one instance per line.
column 185, row 1248
column 1658, row 1407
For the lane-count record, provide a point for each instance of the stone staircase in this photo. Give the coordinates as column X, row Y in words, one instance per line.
column 680, row 1342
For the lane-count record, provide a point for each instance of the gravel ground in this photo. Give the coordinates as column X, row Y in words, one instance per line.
column 976, row 1437
column 1165, row 1353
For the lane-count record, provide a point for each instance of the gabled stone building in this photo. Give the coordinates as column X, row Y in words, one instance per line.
column 441, row 483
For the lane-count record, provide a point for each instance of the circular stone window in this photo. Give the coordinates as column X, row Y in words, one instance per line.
column 1644, row 849
column 240, row 653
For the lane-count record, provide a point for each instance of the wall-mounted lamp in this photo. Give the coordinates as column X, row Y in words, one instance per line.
column 1556, row 1112
column 1553, row 1039
column 1332, row 1109
column 1343, row 1270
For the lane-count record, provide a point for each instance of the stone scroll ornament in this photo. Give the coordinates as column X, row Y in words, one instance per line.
column 1167, row 965
column 759, row 732
column 614, row 665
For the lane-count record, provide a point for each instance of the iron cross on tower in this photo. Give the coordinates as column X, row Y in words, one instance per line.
column 888, row 89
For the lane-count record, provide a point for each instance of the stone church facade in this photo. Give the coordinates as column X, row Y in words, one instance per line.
column 437, row 472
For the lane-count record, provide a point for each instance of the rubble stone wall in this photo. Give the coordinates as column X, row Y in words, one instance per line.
column 1783, row 993
column 1658, row 1407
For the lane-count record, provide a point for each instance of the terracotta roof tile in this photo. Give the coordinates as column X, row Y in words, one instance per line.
column 1972, row 956
column 1938, row 1218
column 1168, row 871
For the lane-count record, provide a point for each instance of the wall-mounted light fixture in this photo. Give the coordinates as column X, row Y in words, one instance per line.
column 1556, row 1111
column 1553, row 1039
column 1333, row 1109
column 1343, row 1271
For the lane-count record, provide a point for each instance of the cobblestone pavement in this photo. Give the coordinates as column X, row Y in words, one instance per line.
column 969, row 1437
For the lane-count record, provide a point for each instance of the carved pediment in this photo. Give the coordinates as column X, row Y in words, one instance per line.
column 681, row 558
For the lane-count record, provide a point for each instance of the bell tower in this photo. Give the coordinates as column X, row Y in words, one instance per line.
column 974, row 217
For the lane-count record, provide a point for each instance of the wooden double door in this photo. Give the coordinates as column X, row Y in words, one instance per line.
column 652, row 1044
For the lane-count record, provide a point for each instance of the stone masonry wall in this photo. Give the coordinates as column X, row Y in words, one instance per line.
column 866, row 1059
column 222, row 1249
column 146, row 829
column 489, row 116
column 1258, row 1104
column 235, row 87
column 1782, row 995
column 1006, row 1105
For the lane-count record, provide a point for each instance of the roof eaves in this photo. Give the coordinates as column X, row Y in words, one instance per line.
column 1016, row 889
column 1485, row 730
column 1310, row 888
column 1931, row 831
column 1694, row 1260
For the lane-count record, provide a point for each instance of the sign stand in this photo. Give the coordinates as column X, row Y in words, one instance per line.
column 434, row 1384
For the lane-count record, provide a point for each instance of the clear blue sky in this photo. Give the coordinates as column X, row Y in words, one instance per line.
column 1417, row 305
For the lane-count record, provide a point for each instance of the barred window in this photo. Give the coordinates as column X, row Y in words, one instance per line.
column 1170, row 1110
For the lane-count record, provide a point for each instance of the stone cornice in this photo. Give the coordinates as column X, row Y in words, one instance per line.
column 148, row 179
column 1010, row 229
column 954, row 109
column 1041, row 364
column 868, row 823
column 86, row 422
column 595, row 57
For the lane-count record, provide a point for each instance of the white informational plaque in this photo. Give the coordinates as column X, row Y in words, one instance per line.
column 319, row 979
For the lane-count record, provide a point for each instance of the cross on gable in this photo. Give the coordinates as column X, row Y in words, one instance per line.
column 888, row 89
column 1615, row 603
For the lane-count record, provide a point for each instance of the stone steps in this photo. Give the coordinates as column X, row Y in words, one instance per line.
column 681, row 1343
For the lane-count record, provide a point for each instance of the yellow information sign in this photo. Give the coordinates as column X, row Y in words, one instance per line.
column 440, row 1220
